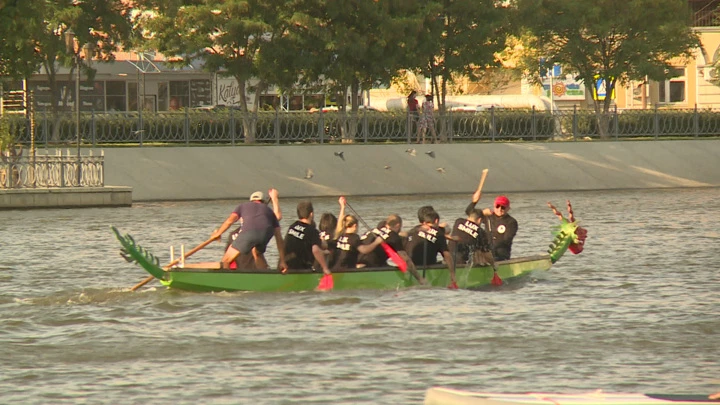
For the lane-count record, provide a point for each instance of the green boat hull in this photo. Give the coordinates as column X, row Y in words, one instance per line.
column 364, row 279
column 351, row 279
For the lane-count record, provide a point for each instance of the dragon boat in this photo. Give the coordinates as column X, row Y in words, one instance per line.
column 567, row 235
column 447, row 396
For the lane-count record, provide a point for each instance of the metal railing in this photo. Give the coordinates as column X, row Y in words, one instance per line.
column 52, row 171
column 279, row 127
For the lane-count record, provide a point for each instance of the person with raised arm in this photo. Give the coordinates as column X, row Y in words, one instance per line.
column 503, row 227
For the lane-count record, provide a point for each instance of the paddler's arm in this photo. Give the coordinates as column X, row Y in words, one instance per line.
column 365, row 249
column 281, row 249
column 228, row 222
column 411, row 267
column 476, row 196
column 273, row 194
column 339, row 228
column 473, row 201
column 714, row 396
column 319, row 255
column 451, row 265
column 470, row 207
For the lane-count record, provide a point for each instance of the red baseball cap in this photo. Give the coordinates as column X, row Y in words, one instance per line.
column 502, row 201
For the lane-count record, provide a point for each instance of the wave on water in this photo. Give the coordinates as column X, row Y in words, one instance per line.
column 341, row 301
column 85, row 296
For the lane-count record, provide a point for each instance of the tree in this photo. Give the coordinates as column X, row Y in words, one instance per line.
column 19, row 57
column 38, row 27
column 349, row 45
column 458, row 37
column 228, row 36
column 611, row 40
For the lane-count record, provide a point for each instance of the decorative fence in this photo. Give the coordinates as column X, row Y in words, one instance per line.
column 230, row 126
column 51, row 171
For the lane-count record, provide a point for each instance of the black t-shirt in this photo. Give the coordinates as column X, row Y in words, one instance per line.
column 299, row 241
column 347, row 252
column 503, row 231
column 378, row 257
column 331, row 247
column 467, row 232
column 424, row 243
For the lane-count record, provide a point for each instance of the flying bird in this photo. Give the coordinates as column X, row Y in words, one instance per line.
column 309, row 173
column 387, row 167
column 441, row 170
column 431, row 154
column 411, row 152
column 340, row 154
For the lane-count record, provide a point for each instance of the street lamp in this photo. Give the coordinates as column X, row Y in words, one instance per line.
column 70, row 46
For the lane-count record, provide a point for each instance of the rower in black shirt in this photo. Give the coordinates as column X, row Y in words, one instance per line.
column 467, row 236
column 426, row 240
column 349, row 245
column 302, row 241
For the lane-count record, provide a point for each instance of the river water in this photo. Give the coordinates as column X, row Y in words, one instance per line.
column 638, row 311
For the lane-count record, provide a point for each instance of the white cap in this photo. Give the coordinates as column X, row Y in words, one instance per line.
column 257, row 196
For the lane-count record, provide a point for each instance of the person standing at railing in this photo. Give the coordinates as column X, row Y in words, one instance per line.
column 427, row 121
column 413, row 114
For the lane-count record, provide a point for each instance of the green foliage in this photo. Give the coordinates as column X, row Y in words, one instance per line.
column 615, row 40
column 18, row 56
column 458, row 37
column 228, row 36
column 7, row 139
column 345, row 44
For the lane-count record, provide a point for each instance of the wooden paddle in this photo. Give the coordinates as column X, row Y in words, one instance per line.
column 496, row 280
column 475, row 199
column 476, row 195
column 392, row 254
column 176, row 261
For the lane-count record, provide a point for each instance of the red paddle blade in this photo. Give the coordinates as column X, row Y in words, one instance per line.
column 326, row 283
column 496, row 280
column 395, row 257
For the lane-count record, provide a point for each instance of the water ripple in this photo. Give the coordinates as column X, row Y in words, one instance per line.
column 637, row 311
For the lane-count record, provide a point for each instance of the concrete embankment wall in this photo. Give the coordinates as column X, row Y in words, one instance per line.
column 186, row 173
column 70, row 197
